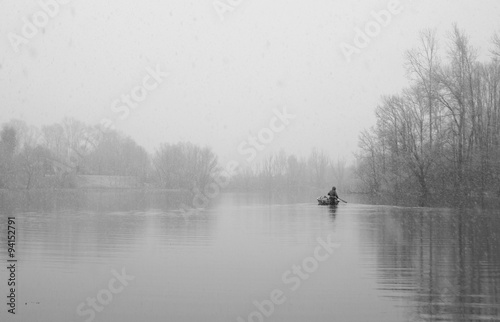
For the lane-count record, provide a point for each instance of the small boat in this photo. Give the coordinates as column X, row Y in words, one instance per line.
column 325, row 201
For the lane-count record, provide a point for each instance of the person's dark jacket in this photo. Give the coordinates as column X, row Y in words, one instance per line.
column 333, row 194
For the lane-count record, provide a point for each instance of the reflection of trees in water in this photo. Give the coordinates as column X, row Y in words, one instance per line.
column 93, row 200
column 445, row 262
column 74, row 224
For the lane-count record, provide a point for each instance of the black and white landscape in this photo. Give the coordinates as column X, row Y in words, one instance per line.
column 236, row 160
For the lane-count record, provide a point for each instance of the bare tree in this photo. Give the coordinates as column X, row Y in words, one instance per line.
column 318, row 163
column 369, row 161
column 184, row 165
column 339, row 171
column 496, row 45
column 457, row 96
column 422, row 65
column 8, row 143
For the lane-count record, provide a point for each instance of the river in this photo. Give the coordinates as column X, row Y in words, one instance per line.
column 133, row 256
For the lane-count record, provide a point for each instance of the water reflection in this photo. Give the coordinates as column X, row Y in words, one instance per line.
column 80, row 226
column 333, row 212
column 445, row 263
column 394, row 264
column 102, row 201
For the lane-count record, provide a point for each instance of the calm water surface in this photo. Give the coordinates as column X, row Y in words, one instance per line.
column 391, row 263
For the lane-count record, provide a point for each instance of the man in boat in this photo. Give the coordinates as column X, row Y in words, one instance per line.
column 333, row 195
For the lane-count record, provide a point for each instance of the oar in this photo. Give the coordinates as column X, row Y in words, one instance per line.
column 342, row 200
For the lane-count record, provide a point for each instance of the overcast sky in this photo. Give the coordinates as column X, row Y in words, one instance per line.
column 227, row 69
